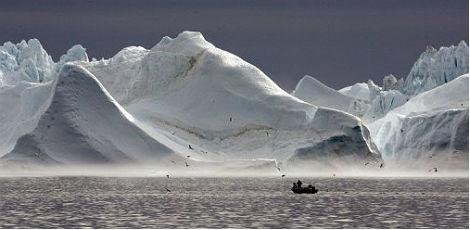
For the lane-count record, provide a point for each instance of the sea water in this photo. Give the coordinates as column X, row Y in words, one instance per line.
column 103, row 202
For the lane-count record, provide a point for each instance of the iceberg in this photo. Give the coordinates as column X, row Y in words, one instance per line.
column 316, row 93
column 26, row 76
column 27, row 61
column 436, row 67
column 219, row 104
column 85, row 125
column 359, row 91
column 430, row 130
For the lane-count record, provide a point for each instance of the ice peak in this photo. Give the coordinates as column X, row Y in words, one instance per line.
column 390, row 82
column 436, row 67
column 462, row 44
column 307, row 79
column 188, row 43
column 430, row 49
column 76, row 53
column 28, row 58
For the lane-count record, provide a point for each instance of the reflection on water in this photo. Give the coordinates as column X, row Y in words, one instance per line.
column 76, row 202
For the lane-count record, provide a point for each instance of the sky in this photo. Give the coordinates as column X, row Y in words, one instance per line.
column 337, row 42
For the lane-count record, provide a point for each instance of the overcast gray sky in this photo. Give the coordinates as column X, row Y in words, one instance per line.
column 338, row 42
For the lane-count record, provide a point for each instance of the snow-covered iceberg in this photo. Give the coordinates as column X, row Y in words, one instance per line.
column 25, row 61
column 316, row 93
column 187, row 98
column 85, row 125
column 436, row 67
column 359, row 91
column 433, row 68
column 218, row 103
column 430, row 130
column 26, row 76
column 384, row 102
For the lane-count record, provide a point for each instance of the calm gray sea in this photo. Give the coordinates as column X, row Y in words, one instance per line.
column 99, row 202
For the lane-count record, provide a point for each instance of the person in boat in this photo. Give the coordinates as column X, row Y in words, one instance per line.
column 311, row 187
column 299, row 184
column 294, row 186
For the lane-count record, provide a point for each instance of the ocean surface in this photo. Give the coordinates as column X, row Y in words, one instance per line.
column 102, row 202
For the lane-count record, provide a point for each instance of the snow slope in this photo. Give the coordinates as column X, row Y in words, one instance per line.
column 316, row 93
column 85, row 125
column 218, row 103
column 430, row 130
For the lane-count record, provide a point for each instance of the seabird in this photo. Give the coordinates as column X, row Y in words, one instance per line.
column 190, row 147
column 381, row 165
column 167, row 176
column 283, row 175
column 186, row 163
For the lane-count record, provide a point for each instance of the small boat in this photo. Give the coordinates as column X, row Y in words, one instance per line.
column 310, row 190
